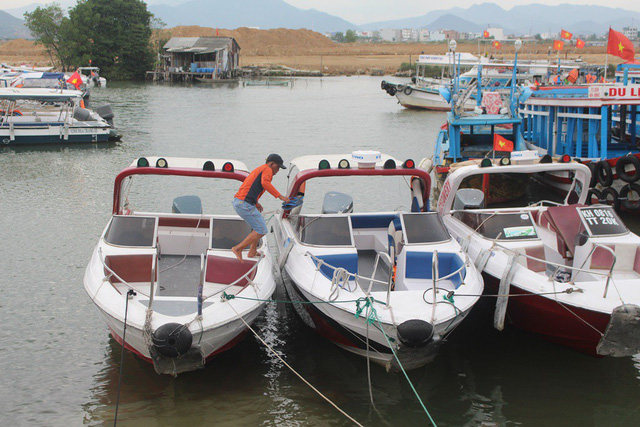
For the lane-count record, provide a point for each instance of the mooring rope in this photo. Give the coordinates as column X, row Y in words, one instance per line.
column 294, row 371
column 130, row 292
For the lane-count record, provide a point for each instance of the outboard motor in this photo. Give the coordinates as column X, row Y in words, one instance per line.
column 415, row 333
column 81, row 114
column 336, row 202
column 106, row 113
column 187, row 205
column 468, row 198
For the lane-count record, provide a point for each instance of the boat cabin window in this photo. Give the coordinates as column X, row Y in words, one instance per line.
column 522, row 189
column 325, row 230
column 500, row 225
column 602, row 221
column 138, row 231
column 226, row 233
column 424, row 228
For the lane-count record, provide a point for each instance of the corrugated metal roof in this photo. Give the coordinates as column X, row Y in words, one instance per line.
column 198, row 44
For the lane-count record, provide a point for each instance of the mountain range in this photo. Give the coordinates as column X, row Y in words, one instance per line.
column 265, row 14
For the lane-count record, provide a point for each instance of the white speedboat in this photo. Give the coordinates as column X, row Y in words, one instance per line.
column 565, row 271
column 340, row 266
column 172, row 274
column 51, row 116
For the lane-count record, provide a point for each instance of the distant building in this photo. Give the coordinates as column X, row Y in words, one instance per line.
column 496, row 33
column 630, row 32
column 437, row 36
column 217, row 56
column 366, row 34
column 475, row 35
column 423, row 35
column 390, row 35
column 408, row 35
column 451, row 34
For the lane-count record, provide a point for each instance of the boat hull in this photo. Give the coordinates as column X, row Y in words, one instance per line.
column 424, row 100
column 53, row 135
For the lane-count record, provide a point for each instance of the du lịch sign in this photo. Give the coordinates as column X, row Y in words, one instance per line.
column 620, row 91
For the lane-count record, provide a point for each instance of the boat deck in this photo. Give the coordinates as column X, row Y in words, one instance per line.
column 366, row 260
column 178, row 277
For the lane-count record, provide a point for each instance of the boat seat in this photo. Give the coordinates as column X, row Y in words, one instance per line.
column 226, row 270
column 419, row 266
column 565, row 222
column 395, row 238
column 348, row 261
column 131, row 268
column 492, row 102
column 533, row 264
column 601, row 259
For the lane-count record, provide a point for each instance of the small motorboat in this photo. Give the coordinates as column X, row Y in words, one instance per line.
column 565, row 271
column 52, row 116
column 374, row 283
column 171, row 275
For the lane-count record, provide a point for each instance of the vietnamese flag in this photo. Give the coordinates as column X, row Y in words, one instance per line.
column 75, row 79
column 579, row 44
column 485, row 34
column 501, row 144
column 565, row 35
column 497, row 44
column 620, row 46
column 558, row 44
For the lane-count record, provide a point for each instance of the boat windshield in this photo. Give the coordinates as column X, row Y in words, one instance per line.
column 226, row 233
column 602, row 221
column 138, row 231
column 503, row 190
column 499, row 225
column 325, row 230
column 425, row 227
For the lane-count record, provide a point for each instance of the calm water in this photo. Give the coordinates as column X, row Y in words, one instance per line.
column 59, row 366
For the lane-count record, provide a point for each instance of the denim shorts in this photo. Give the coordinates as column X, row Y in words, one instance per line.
column 251, row 215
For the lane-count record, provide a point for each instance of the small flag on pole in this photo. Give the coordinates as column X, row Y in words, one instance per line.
column 558, row 45
column 579, row 44
column 486, row 34
column 565, row 35
column 496, row 44
column 500, row 143
column 620, row 46
column 75, row 79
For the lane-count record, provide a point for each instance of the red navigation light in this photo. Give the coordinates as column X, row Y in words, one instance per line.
column 409, row 164
column 228, row 167
column 565, row 158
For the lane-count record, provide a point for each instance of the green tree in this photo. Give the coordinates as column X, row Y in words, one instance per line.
column 338, row 37
column 350, row 36
column 45, row 24
column 113, row 34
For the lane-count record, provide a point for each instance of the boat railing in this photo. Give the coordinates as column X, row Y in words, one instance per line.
column 320, row 262
column 581, row 269
column 375, row 270
column 124, row 282
column 434, row 276
column 201, row 283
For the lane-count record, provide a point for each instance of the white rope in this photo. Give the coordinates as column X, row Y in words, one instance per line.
column 339, row 280
column 293, row 370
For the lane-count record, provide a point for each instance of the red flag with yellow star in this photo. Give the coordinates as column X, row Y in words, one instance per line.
column 501, row 143
column 497, row 44
column 485, row 34
column 565, row 35
column 75, row 79
column 620, row 46
column 558, row 45
column 579, row 44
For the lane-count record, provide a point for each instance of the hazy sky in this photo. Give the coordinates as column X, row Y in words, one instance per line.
column 363, row 11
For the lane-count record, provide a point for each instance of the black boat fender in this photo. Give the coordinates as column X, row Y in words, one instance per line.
column 593, row 167
column 610, row 197
column 408, row 90
column 631, row 176
column 630, row 205
column 415, row 333
column 604, row 173
column 172, row 339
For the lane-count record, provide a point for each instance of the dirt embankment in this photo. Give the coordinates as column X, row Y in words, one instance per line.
column 305, row 49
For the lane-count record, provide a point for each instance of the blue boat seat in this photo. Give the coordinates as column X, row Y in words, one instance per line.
column 347, row 261
column 419, row 265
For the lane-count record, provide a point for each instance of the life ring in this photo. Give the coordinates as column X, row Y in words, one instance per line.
column 15, row 112
column 631, row 176
column 593, row 193
column 631, row 205
column 604, row 173
column 408, row 90
column 610, row 197
column 593, row 166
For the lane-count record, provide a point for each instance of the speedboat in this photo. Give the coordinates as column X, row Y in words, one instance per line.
column 375, row 283
column 557, row 268
column 51, row 116
column 169, row 277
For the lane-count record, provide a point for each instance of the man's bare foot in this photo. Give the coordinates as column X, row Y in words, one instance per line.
column 237, row 252
column 253, row 254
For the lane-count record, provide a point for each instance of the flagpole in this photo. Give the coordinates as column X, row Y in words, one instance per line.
column 606, row 60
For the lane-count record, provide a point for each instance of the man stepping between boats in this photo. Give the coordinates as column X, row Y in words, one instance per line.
column 246, row 204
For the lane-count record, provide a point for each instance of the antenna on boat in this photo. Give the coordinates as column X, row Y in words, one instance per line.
column 514, row 78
